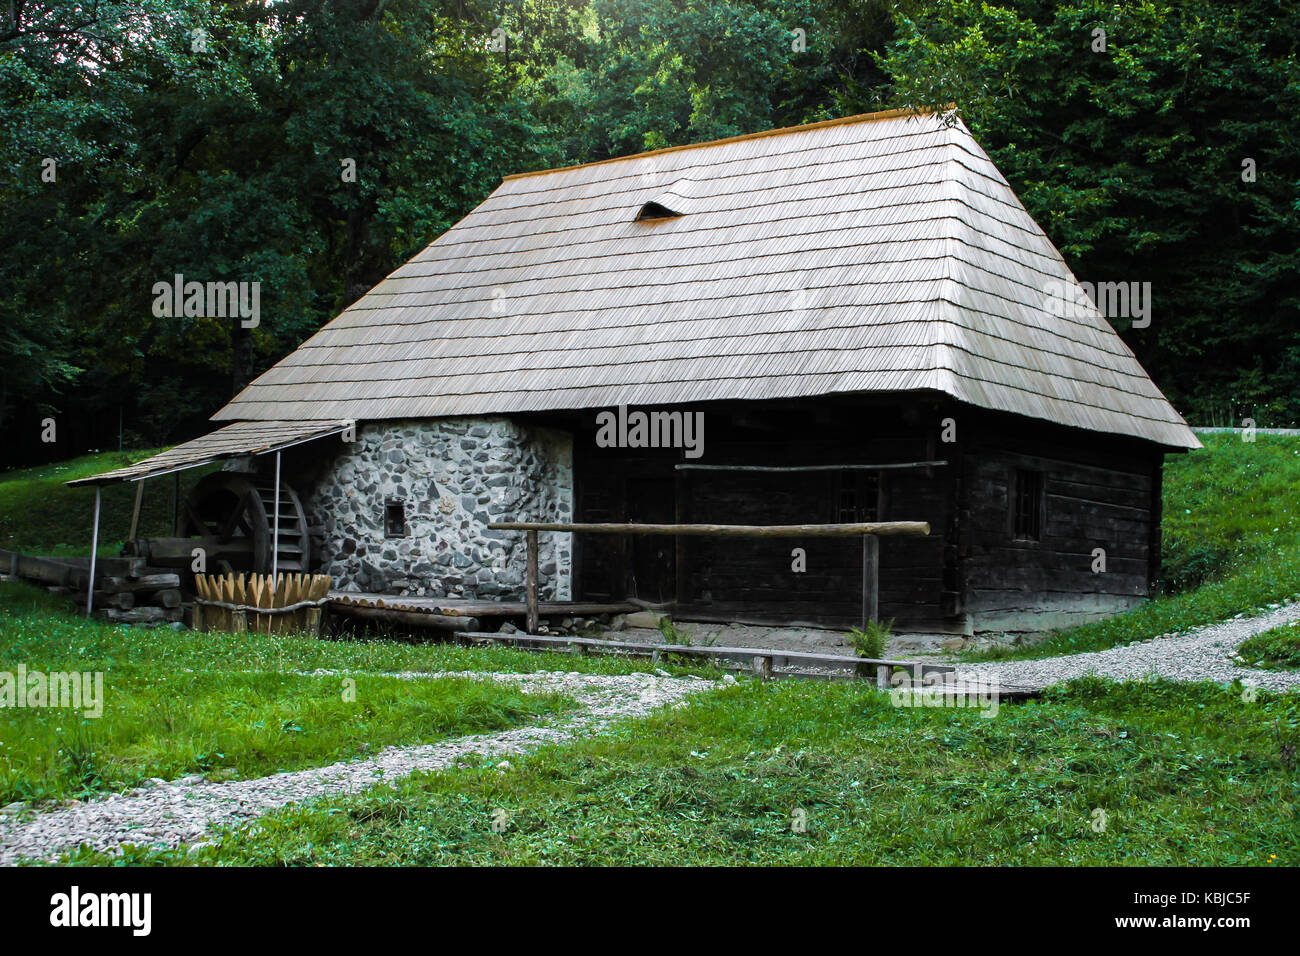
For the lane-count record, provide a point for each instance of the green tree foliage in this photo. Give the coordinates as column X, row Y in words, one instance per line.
column 220, row 156
column 1132, row 159
column 621, row 76
column 224, row 159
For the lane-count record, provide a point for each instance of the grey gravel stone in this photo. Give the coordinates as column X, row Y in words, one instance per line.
column 1203, row 654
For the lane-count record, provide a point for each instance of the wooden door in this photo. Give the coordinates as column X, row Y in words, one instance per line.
column 653, row 567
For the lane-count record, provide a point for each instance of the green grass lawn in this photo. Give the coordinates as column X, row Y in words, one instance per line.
column 227, row 726
column 1231, row 545
column 1275, row 649
column 1188, row 775
column 35, row 626
column 39, row 514
column 177, row 702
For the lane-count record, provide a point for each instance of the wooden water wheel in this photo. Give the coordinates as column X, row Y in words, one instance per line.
column 235, row 511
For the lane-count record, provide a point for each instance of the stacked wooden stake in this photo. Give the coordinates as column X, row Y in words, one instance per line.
column 253, row 602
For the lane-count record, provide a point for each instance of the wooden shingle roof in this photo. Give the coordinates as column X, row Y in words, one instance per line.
column 872, row 254
column 232, row 441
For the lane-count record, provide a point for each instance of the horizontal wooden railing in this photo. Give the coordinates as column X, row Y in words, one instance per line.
column 869, row 532
column 725, row 530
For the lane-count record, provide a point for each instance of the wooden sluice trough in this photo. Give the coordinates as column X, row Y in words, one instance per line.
column 458, row 614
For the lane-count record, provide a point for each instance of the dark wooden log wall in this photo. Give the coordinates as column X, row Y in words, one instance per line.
column 1098, row 492
column 752, row 579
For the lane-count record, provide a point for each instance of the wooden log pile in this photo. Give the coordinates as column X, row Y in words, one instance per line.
column 127, row 591
column 152, row 596
column 237, row 603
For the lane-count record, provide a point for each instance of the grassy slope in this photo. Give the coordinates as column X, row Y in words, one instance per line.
column 1275, row 649
column 1185, row 775
column 1231, row 526
column 41, row 515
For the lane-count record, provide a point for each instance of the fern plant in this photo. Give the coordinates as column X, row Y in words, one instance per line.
column 870, row 641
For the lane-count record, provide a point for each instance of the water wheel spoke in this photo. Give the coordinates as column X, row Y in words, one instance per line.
column 238, row 516
column 240, row 510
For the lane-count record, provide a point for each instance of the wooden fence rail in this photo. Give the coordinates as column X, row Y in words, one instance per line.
column 869, row 531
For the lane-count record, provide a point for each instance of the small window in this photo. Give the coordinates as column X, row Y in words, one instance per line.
column 856, row 496
column 1027, row 521
column 395, row 519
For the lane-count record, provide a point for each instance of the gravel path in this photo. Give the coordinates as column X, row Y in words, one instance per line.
column 1202, row 654
column 163, row 814
column 166, row 814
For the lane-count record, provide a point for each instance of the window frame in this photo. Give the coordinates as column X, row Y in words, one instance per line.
column 1038, row 505
column 864, row 485
column 389, row 505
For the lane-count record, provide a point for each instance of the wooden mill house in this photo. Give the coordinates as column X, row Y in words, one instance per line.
column 841, row 322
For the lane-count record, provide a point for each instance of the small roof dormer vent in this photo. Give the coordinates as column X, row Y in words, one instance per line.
column 670, row 202
column 656, row 210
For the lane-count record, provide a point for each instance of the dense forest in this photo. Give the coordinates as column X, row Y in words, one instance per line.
column 314, row 145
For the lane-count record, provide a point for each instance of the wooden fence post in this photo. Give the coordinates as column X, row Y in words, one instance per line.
column 531, row 584
column 870, row 579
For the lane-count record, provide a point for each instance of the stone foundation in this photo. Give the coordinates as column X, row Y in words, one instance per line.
column 450, row 477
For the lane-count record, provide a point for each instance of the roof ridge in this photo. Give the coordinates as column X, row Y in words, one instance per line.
column 762, row 134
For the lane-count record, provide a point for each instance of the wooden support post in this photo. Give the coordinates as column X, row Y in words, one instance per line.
column 94, row 546
column 531, row 584
column 135, row 510
column 176, row 505
column 761, row 665
column 883, row 674
column 275, row 533
column 870, row 578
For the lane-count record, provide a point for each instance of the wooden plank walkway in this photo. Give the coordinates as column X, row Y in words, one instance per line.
column 462, row 617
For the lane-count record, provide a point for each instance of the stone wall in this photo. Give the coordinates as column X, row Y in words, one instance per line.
column 452, row 476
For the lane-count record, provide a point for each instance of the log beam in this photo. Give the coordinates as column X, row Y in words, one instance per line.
column 726, row 530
